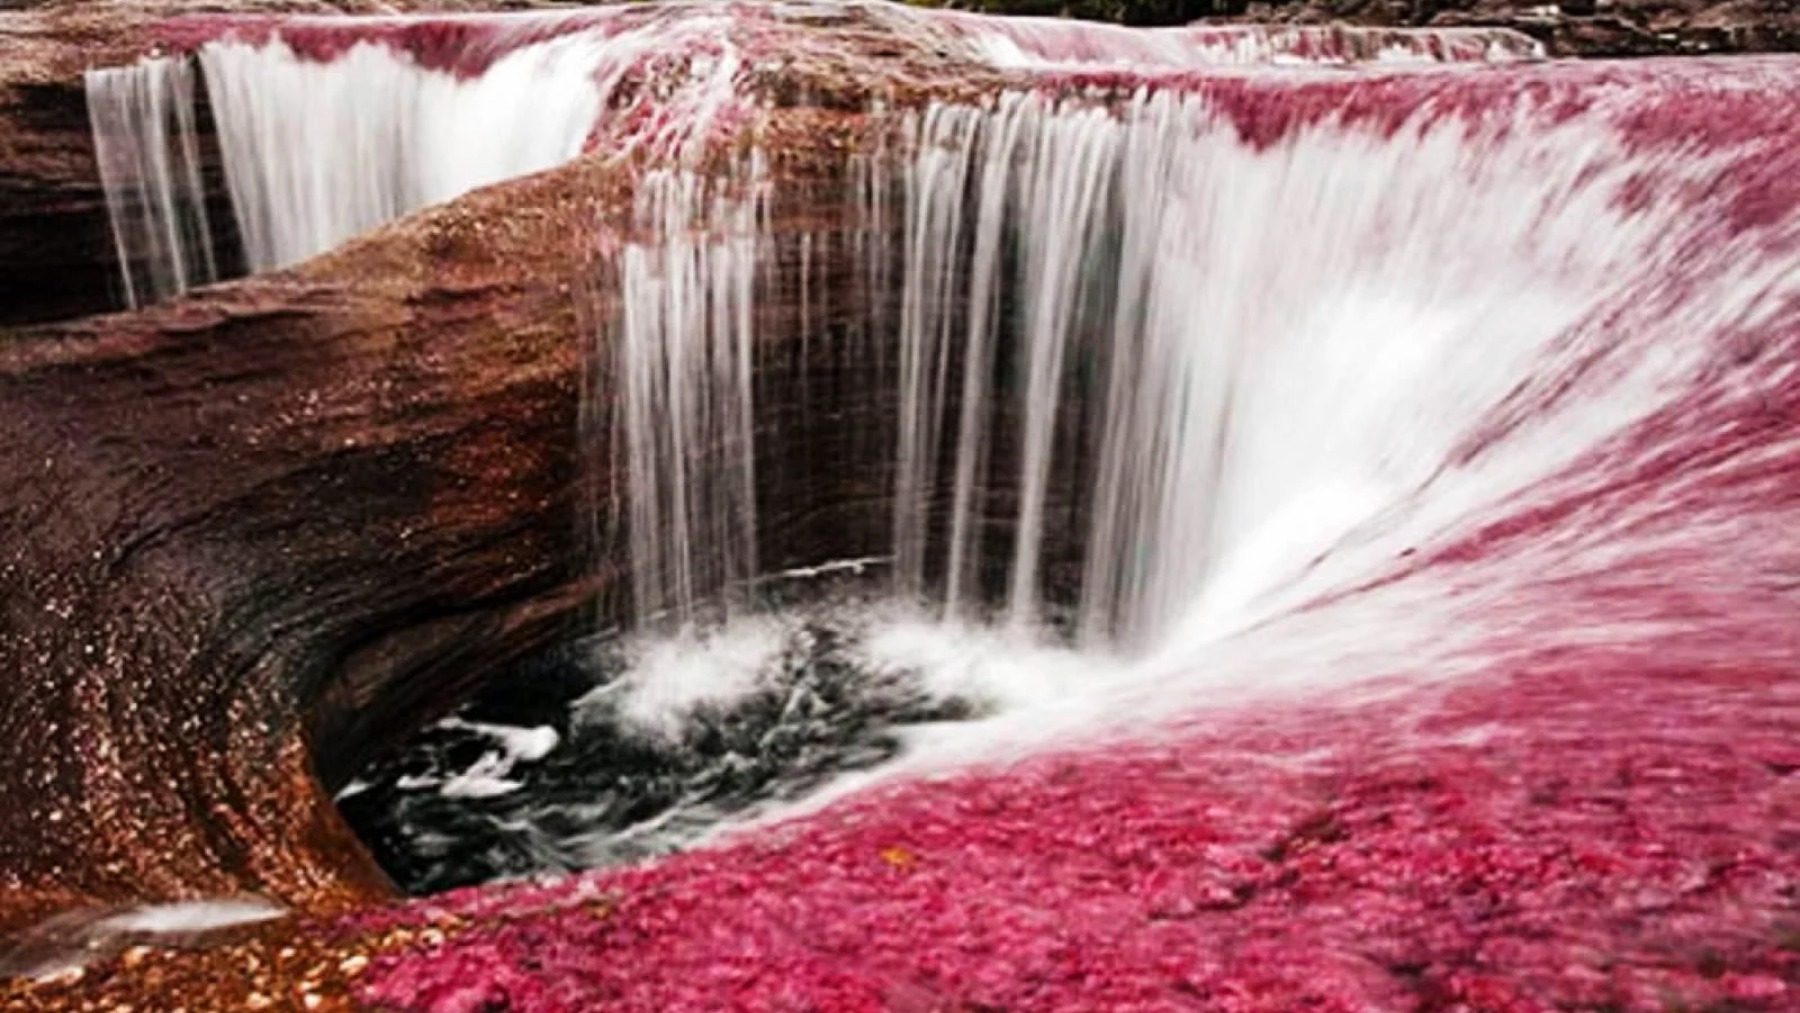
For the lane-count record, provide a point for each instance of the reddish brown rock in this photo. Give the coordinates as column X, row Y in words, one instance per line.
column 228, row 507
column 253, row 532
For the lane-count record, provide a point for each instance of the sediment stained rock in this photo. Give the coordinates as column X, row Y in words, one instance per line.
column 201, row 496
column 241, row 525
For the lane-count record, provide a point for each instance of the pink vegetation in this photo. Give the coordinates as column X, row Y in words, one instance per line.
column 1571, row 838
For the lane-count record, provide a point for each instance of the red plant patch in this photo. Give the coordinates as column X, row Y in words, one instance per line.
column 1604, row 840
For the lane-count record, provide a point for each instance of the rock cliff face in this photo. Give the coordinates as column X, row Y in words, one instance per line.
column 190, row 531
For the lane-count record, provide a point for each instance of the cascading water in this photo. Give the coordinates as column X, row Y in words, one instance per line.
column 683, row 345
column 1098, row 348
column 326, row 131
column 1242, row 380
column 1253, row 404
column 327, row 128
column 148, row 155
column 316, row 153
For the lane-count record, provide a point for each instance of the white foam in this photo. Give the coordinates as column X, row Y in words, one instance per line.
column 668, row 679
column 519, row 744
column 487, row 776
column 484, row 779
column 1003, row 668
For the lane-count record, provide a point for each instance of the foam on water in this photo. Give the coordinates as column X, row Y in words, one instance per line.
column 995, row 668
column 656, row 739
column 671, row 678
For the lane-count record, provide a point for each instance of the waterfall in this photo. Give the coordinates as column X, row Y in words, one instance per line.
column 149, row 159
column 1113, row 385
column 1223, row 369
column 683, row 353
column 1153, row 386
column 316, row 153
column 1119, row 405
column 328, row 127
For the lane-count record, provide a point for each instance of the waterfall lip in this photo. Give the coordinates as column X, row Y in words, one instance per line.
column 464, row 45
column 467, row 43
column 548, row 86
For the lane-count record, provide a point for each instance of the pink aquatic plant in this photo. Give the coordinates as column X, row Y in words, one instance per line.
column 1572, row 838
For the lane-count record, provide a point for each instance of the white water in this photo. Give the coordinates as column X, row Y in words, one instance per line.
column 669, row 679
column 1273, row 422
column 318, row 151
column 149, row 159
column 1270, row 420
column 1236, row 385
column 1260, row 402
column 682, row 348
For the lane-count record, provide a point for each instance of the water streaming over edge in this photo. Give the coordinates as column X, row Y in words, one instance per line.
column 329, row 126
